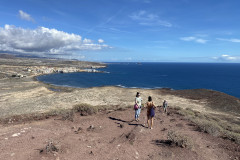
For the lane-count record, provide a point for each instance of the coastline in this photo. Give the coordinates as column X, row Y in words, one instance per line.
column 27, row 95
column 97, row 122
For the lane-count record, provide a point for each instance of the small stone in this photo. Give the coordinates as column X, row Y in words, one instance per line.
column 90, row 128
column 16, row 134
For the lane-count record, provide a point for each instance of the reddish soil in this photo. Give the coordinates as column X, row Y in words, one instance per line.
column 111, row 135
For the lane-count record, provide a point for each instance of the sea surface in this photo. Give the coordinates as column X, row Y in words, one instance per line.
column 223, row 77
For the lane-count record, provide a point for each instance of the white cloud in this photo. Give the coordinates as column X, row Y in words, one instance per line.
column 226, row 57
column 43, row 41
column 187, row 38
column 149, row 19
column 199, row 40
column 25, row 16
column 194, row 39
column 100, row 41
column 229, row 40
column 86, row 41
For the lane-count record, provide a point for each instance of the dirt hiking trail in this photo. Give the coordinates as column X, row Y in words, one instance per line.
column 111, row 135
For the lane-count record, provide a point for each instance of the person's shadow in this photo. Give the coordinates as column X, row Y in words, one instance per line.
column 128, row 122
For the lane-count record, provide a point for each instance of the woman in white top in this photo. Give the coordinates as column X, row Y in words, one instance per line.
column 138, row 102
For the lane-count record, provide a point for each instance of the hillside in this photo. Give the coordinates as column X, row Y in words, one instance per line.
column 113, row 135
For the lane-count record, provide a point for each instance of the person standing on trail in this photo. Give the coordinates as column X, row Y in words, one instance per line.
column 165, row 105
column 137, row 106
column 150, row 112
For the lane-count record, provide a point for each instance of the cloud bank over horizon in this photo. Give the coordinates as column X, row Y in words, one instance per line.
column 45, row 42
column 227, row 58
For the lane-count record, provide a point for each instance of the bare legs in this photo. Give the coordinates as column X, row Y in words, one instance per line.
column 150, row 120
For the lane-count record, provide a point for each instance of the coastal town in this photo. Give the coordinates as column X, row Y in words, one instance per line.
column 20, row 68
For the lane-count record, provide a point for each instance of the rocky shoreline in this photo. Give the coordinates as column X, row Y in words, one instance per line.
column 22, row 67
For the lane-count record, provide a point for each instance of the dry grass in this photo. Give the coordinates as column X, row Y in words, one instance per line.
column 180, row 140
column 217, row 101
column 63, row 114
column 212, row 124
column 85, row 109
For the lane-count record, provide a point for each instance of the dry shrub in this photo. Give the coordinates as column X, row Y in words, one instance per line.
column 188, row 114
column 205, row 123
column 66, row 114
column 176, row 108
column 212, row 124
column 210, row 127
column 180, row 140
column 233, row 127
column 51, row 147
column 85, row 109
column 232, row 136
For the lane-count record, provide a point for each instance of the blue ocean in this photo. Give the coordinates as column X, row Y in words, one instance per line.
column 223, row 77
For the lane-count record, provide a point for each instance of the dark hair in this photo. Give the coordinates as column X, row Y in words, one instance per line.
column 137, row 94
column 149, row 98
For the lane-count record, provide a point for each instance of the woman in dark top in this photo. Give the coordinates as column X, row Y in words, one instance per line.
column 150, row 112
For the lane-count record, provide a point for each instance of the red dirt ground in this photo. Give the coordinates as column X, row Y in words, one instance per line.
column 111, row 135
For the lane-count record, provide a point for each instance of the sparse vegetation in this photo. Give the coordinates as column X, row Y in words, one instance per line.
column 176, row 108
column 85, row 109
column 180, row 140
column 64, row 114
column 51, row 147
column 212, row 124
column 209, row 126
column 217, row 101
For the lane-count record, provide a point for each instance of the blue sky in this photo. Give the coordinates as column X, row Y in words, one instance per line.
column 123, row 30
